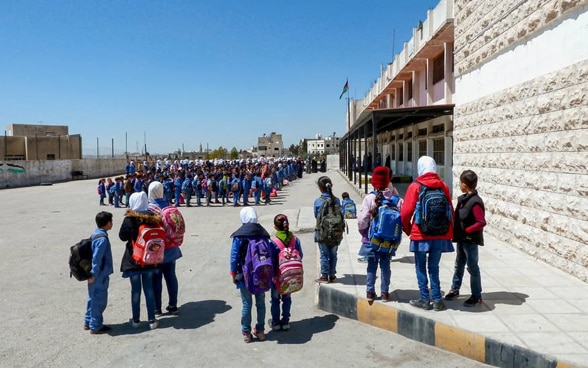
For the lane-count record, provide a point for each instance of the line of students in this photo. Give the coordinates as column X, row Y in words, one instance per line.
column 466, row 229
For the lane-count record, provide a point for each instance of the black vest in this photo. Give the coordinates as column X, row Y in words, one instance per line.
column 465, row 218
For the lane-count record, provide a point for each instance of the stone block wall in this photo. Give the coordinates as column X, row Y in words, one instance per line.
column 527, row 140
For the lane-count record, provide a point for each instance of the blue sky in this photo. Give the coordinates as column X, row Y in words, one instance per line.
column 179, row 74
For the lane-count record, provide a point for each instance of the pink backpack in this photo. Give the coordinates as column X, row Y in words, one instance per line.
column 174, row 226
column 149, row 247
column 290, row 271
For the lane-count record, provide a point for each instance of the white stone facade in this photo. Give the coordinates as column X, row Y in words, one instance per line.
column 521, row 122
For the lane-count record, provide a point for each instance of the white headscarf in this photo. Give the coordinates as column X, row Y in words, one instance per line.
column 426, row 164
column 155, row 191
column 248, row 216
column 138, row 202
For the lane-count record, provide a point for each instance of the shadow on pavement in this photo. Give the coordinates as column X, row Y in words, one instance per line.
column 193, row 315
column 302, row 331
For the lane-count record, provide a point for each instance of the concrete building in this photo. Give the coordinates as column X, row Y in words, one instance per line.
column 39, row 142
column 323, row 145
column 270, row 145
column 517, row 72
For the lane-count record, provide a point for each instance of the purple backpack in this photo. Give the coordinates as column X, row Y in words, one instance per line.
column 258, row 269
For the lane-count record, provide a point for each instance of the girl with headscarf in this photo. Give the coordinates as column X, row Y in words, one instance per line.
column 139, row 276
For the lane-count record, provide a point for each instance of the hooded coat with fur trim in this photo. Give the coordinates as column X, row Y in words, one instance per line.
column 129, row 231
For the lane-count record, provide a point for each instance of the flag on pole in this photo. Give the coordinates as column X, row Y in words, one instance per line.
column 345, row 89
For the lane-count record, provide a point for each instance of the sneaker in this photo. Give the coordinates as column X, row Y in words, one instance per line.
column 385, row 296
column 247, row 337
column 153, row 324
column 134, row 323
column 158, row 312
column 439, row 306
column 421, row 303
column 172, row 310
column 452, row 294
column 286, row 326
column 274, row 327
column 371, row 296
column 259, row 334
column 362, row 260
column 472, row 302
column 332, row 278
column 322, row 279
column 86, row 328
column 102, row 330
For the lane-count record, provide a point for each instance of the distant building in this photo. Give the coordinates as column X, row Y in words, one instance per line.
column 270, row 146
column 40, row 142
column 322, row 146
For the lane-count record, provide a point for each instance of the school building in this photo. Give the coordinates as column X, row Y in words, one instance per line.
column 500, row 88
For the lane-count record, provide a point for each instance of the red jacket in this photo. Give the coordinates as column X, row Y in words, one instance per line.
column 411, row 229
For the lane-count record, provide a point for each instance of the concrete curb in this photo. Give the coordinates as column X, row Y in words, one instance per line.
column 465, row 343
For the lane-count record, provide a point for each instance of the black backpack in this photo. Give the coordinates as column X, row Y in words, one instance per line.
column 433, row 211
column 80, row 259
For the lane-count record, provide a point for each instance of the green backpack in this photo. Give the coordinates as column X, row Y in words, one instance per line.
column 330, row 223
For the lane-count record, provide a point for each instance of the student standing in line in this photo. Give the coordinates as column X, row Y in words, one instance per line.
column 99, row 275
column 283, row 302
column 250, row 228
column 427, row 248
column 468, row 232
column 328, row 253
column 139, row 276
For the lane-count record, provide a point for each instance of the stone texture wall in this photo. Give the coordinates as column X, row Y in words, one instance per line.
column 527, row 142
column 484, row 28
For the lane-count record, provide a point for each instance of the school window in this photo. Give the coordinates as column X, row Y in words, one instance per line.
column 50, row 156
column 400, row 97
column 409, row 151
column 422, row 148
column 400, row 152
column 393, row 152
column 439, row 151
column 438, row 68
column 409, row 89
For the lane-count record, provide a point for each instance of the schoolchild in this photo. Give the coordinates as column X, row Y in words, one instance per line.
column 256, row 186
column 187, row 189
column 348, row 206
column 99, row 275
column 246, row 184
column 128, row 187
column 177, row 189
column 223, row 188
column 110, row 190
column 249, row 228
column 197, row 185
column 381, row 178
column 139, row 276
column 427, row 248
column 101, row 191
column 235, row 187
column 286, row 237
column 267, row 187
column 328, row 253
column 468, row 233
column 168, row 267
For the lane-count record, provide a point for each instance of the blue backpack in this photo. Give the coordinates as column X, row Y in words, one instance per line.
column 386, row 227
column 258, row 269
column 432, row 211
column 349, row 209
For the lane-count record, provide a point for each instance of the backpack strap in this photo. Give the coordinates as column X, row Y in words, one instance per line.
column 281, row 244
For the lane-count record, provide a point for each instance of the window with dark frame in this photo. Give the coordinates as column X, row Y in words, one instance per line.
column 439, row 151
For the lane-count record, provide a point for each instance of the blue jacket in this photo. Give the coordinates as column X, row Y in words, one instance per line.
column 101, row 255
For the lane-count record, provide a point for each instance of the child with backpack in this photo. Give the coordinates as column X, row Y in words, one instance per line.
column 329, row 229
column 101, row 191
column 99, row 275
column 250, row 252
column 348, row 206
column 468, row 233
column 367, row 223
column 427, row 217
column 140, row 276
column 289, row 274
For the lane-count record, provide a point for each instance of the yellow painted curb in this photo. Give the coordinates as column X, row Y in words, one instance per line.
column 377, row 314
column 460, row 342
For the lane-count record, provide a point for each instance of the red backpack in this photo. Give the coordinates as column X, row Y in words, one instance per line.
column 290, row 270
column 149, row 247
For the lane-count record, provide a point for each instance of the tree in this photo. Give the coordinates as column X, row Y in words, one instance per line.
column 220, row 152
column 234, row 153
